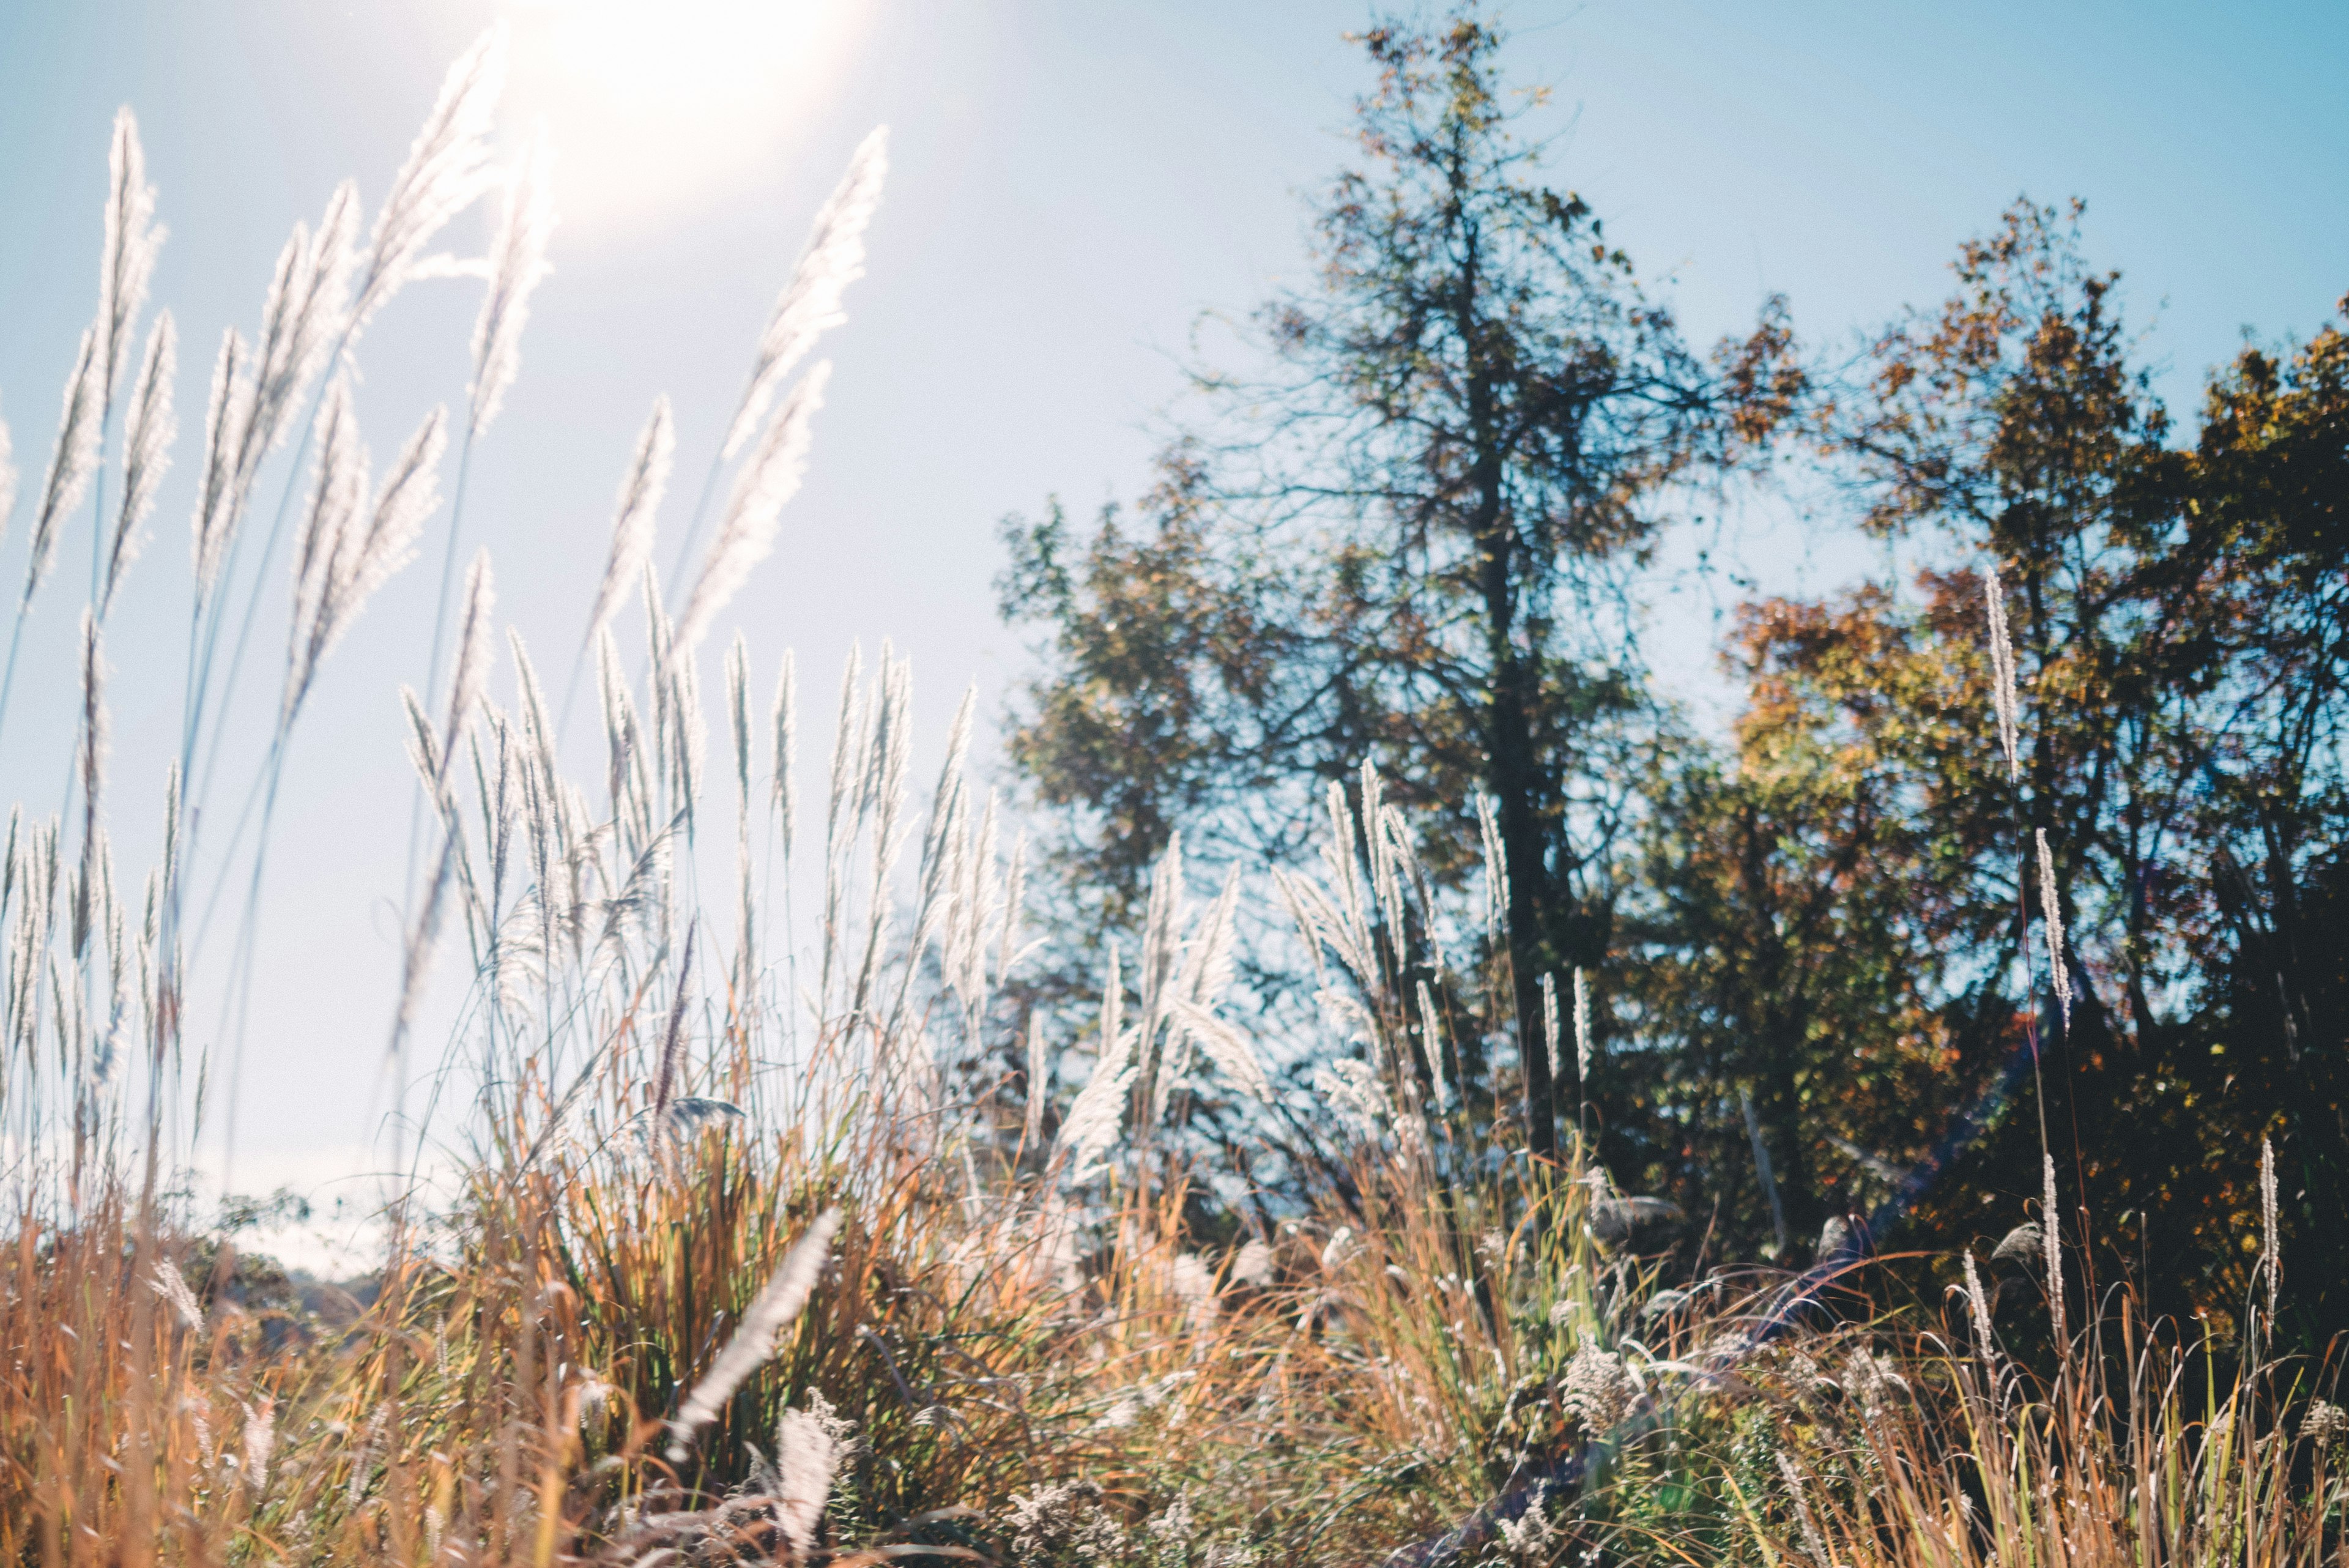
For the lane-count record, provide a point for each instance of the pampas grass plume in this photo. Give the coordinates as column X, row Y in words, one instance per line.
column 2048, row 905
column 1549, row 1023
column 1978, row 1307
column 2050, row 1233
column 768, row 481
column 132, row 240
column 443, row 174
column 340, row 563
column 809, row 304
column 470, row 678
column 73, row 462
column 517, row 265
column 227, row 413
column 786, row 1293
column 173, row 1286
column 1581, row 1025
column 2001, row 667
column 632, row 513
column 2271, row 1237
column 1094, row 1117
column 807, row 1452
column 147, row 450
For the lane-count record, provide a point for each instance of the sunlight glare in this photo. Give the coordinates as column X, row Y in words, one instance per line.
column 659, row 106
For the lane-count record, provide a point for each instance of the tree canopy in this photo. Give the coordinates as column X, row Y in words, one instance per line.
column 1416, row 537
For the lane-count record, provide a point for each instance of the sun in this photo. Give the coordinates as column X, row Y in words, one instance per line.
column 657, row 107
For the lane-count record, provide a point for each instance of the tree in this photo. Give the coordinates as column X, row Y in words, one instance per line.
column 2179, row 632
column 1406, row 541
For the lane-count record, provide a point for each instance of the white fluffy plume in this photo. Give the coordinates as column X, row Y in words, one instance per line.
column 767, row 481
column 132, row 240
column 632, row 513
column 517, row 264
column 2051, row 908
column 809, row 304
column 443, row 174
column 1093, row 1120
column 786, row 1295
column 71, row 464
column 146, row 449
column 341, row 561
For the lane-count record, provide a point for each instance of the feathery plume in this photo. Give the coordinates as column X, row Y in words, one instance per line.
column 768, row 481
column 132, row 240
column 92, row 764
column 2050, row 1233
column 301, row 318
column 786, row 1295
column 363, row 1461
column 173, row 1286
column 1039, row 1069
column 1978, row 1305
column 2048, row 905
column 227, row 413
column 1496, row 871
column 809, row 306
column 1796, row 1492
column 2270, row 1235
column 337, row 491
column 444, row 173
column 71, row 464
column 1228, row 1048
column 738, row 711
column 633, row 512
column 146, row 449
column 1100, row 1106
column 1581, row 1026
column 807, row 1452
column 259, row 1440
column 1549, row 1023
column 1015, row 887
column 673, row 1043
column 2001, row 669
column 1433, row 1042
column 786, row 726
column 339, row 563
column 471, row 676
column 517, row 264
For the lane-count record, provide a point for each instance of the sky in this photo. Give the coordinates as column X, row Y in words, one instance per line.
column 1075, row 186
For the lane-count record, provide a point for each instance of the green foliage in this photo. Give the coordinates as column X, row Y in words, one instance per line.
column 1403, row 544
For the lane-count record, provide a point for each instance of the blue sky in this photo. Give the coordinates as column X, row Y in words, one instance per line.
column 1073, row 185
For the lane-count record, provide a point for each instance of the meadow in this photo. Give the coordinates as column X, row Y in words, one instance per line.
column 764, row 1233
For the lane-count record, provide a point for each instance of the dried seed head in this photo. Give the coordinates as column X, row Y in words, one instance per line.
column 517, row 264
column 1549, row 1023
column 2053, row 913
column 1581, row 1026
column 146, row 449
column 786, row 1295
column 1978, row 1306
column 809, row 304
column 2270, row 1235
column 2001, row 667
column 2052, row 1234
column 768, row 481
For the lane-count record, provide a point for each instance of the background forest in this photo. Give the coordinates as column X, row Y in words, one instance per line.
column 1377, row 1080
column 1819, row 987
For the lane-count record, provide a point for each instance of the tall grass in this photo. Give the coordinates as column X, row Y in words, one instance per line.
column 819, row 1248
